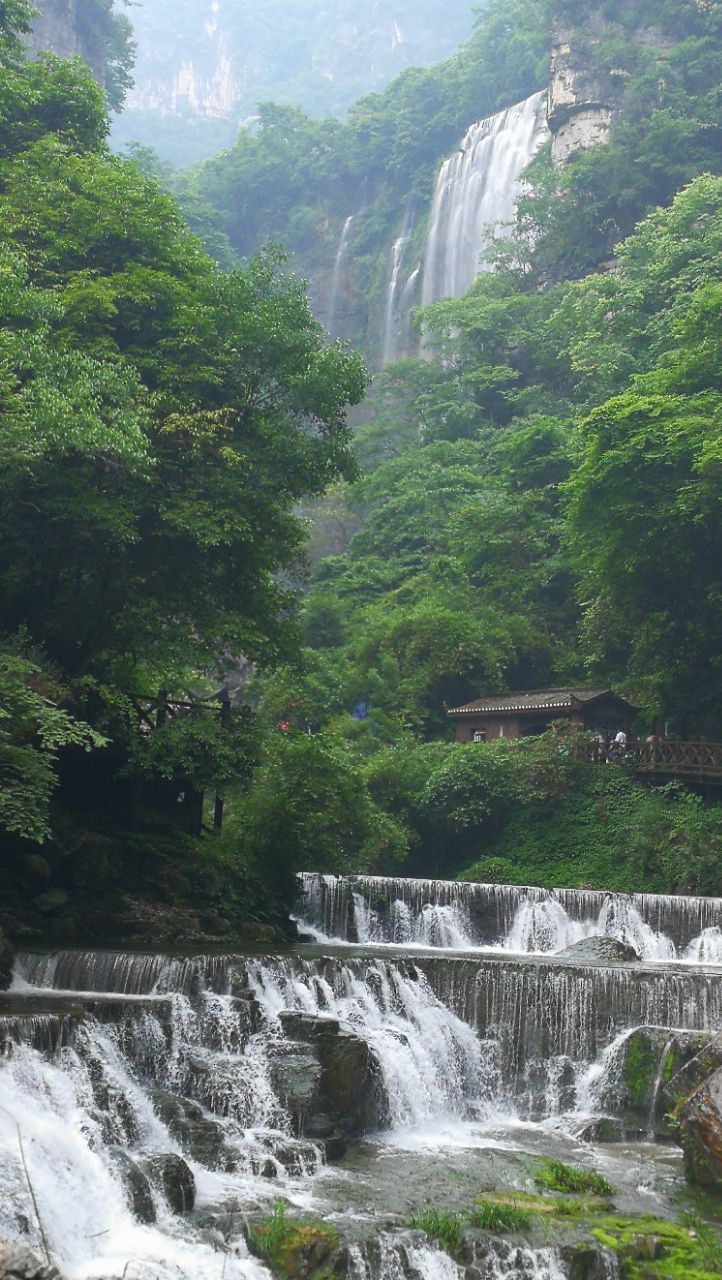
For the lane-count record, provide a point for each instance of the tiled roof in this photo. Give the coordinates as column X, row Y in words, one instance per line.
column 535, row 700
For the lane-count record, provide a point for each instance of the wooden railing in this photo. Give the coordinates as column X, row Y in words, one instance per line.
column 668, row 757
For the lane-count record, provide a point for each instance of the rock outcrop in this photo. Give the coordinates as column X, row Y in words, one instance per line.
column 172, row 1176
column 695, row 1095
column 585, row 92
column 329, row 1079
column 599, row 950
column 6, row 962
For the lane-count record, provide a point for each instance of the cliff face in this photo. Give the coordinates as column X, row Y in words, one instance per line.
column 203, row 66
column 62, row 27
column 585, row 87
column 581, row 105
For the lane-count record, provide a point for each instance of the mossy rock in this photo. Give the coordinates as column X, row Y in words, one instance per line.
column 653, row 1249
column 295, row 1248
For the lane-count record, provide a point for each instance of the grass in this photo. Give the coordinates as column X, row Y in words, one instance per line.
column 442, row 1226
column 553, row 1175
column 489, row 1215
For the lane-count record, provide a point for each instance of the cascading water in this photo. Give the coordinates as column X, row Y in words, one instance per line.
column 337, row 279
column 518, row 919
column 114, row 1064
column 475, row 192
column 394, row 315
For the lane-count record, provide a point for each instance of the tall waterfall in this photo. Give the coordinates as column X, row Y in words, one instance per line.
column 475, row 190
column 512, row 918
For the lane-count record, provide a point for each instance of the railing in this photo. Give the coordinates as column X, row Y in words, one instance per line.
column 666, row 756
column 669, row 755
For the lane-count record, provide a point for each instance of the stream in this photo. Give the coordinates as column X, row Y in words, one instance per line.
column 152, row 1105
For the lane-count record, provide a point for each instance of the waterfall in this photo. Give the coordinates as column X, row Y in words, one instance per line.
column 394, row 315
column 115, row 1066
column 337, row 279
column 475, row 190
column 512, row 918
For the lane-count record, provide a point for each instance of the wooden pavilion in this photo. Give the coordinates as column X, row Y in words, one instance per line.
column 531, row 711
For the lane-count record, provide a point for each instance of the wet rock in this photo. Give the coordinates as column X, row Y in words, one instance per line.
column 608, row 1129
column 649, row 1058
column 171, row 1174
column 295, row 1073
column 704, row 1058
column 308, row 1026
column 296, row 1248
column 19, row 1262
column 599, row 950
column 38, row 871
column 6, row 962
column 698, row 1121
column 589, row 1262
column 200, row 1137
column 330, row 1080
column 137, row 1186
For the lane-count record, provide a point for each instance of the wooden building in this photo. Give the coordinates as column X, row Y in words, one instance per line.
column 531, row 711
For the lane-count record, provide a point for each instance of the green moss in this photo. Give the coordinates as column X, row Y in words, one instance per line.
column 640, row 1069
column 668, row 1066
column 294, row 1247
column 553, row 1175
column 652, row 1249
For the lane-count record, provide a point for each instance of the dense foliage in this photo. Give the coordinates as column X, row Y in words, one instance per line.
column 160, row 422
column 540, row 504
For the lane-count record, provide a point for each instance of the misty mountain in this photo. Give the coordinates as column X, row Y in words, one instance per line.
column 202, row 66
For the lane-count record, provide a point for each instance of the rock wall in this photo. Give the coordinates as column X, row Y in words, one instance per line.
column 581, row 106
column 585, row 94
column 61, row 27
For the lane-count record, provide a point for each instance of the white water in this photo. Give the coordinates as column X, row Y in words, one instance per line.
column 475, row 193
column 464, row 1048
column 518, row 920
column 431, row 1061
column 67, row 1137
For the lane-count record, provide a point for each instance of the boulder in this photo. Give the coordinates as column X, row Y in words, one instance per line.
column 38, row 871
column 608, row 1129
column 705, row 1058
column 644, row 1063
column 589, row 1262
column 330, row 1080
column 19, row 1262
column 598, row 950
column 137, row 1186
column 170, row 1173
column 202, row 1138
column 51, row 901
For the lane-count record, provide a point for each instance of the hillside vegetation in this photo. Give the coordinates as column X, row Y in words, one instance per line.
column 535, row 502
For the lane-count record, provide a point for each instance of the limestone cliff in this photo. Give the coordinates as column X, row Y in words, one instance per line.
column 89, row 29
column 585, row 87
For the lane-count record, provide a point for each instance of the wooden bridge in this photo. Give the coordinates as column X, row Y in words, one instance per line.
column 669, row 758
